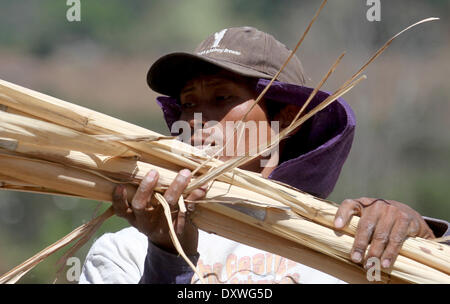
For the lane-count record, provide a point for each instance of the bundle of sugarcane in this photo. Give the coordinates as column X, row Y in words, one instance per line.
column 55, row 147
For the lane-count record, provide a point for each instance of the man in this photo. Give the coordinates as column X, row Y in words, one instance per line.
column 221, row 80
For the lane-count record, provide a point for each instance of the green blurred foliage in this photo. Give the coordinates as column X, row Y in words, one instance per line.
column 402, row 143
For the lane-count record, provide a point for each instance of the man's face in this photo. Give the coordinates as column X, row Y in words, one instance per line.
column 213, row 104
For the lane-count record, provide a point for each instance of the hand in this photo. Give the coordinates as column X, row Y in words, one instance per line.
column 384, row 223
column 148, row 216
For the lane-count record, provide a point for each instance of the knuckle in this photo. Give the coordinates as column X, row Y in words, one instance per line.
column 169, row 198
column 139, row 200
column 177, row 186
column 380, row 205
column 374, row 253
column 360, row 245
column 390, row 208
column 391, row 211
column 397, row 239
column 144, row 186
column 404, row 217
column 413, row 229
column 138, row 206
column 347, row 202
column 367, row 226
column 389, row 252
column 382, row 237
column 143, row 192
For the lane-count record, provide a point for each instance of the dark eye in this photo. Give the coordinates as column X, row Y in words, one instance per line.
column 223, row 97
column 187, row 105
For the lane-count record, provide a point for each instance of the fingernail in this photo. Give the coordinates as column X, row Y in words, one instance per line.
column 356, row 257
column 369, row 264
column 185, row 172
column 205, row 187
column 151, row 175
column 191, row 207
column 339, row 223
column 386, row 263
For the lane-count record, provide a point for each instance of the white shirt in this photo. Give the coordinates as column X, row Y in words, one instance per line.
column 119, row 258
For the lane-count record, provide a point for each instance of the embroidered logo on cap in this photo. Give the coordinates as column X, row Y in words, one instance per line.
column 218, row 36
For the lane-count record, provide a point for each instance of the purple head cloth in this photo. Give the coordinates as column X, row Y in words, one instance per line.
column 312, row 159
column 171, row 109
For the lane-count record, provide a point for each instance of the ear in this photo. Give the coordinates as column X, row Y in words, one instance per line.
column 286, row 115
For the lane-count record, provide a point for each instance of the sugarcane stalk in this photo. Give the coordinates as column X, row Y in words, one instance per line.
column 37, row 132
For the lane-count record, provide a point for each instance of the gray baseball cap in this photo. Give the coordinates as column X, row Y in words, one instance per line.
column 246, row 51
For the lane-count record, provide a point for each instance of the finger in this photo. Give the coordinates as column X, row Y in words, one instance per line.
column 143, row 195
column 177, row 187
column 382, row 232
column 195, row 195
column 120, row 203
column 180, row 222
column 364, row 232
column 413, row 228
column 144, row 191
column 345, row 212
column 183, row 217
column 397, row 237
column 426, row 232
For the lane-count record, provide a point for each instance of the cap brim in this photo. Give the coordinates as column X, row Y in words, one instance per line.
column 170, row 72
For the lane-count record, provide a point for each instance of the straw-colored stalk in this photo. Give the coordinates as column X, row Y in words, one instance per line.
column 33, row 131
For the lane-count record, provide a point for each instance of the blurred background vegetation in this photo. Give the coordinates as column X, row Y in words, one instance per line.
column 402, row 145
